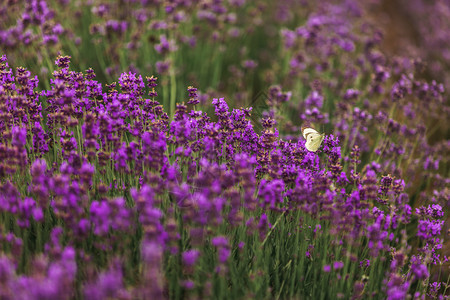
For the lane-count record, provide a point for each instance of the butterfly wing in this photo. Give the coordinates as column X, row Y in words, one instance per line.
column 307, row 131
column 313, row 139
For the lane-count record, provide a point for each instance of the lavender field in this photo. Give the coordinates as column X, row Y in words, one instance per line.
column 156, row 149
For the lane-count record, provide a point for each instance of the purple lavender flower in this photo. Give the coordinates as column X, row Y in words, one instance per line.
column 224, row 254
column 219, row 241
column 188, row 284
column 419, row 269
column 434, row 288
column 396, row 288
column 190, row 257
column 272, row 192
column 249, row 64
column 433, row 211
column 314, row 100
column 338, row 265
column 108, row 284
column 193, row 96
column 429, row 229
column 19, row 136
column 162, row 67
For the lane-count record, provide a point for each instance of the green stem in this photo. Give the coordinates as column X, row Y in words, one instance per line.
column 173, row 91
column 272, row 229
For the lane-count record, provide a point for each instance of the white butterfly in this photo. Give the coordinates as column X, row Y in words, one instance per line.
column 313, row 138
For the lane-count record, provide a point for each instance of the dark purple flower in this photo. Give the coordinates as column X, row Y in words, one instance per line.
column 190, row 257
column 429, row 229
column 289, row 38
column 396, row 288
column 224, row 254
column 19, row 136
column 62, row 61
column 432, row 211
column 165, row 46
column 109, row 284
column 188, row 284
column 364, row 263
column 314, row 100
column 272, row 192
column 193, row 96
column 162, row 67
column 7, row 270
column 338, row 265
column 249, row 64
column 219, row 241
column 419, row 269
